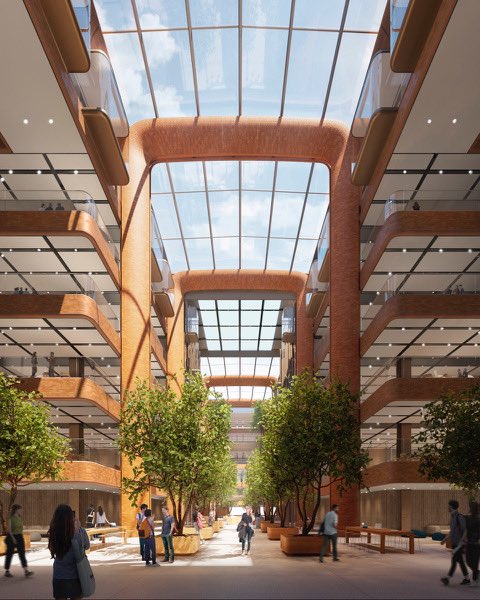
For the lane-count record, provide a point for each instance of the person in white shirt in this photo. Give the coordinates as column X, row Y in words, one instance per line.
column 101, row 518
column 330, row 523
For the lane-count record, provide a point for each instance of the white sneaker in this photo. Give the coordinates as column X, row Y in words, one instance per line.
column 243, row 552
column 248, row 553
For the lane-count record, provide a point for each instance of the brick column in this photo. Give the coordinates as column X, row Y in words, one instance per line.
column 345, row 300
column 135, row 290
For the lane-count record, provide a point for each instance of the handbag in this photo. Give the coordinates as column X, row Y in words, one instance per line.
column 85, row 573
column 448, row 543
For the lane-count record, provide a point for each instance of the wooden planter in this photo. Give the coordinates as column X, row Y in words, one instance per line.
column 216, row 526
column 207, row 532
column 3, row 547
column 274, row 533
column 233, row 520
column 221, row 523
column 302, row 545
column 183, row 545
column 265, row 524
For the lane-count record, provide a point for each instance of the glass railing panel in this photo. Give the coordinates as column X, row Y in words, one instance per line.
column 398, row 10
column 422, row 283
column 160, row 254
column 98, row 88
column 422, row 201
column 57, row 200
column 192, row 320
column 382, row 89
column 103, row 454
column 288, row 319
column 81, row 8
column 159, row 288
column 313, row 284
column 61, row 283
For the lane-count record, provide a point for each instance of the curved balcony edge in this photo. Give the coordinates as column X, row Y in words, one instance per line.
column 394, row 472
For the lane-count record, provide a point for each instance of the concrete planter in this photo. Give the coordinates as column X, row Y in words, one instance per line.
column 3, row 547
column 274, row 533
column 207, row 532
column 265, row 524
column 183, row 545
column 301, row 545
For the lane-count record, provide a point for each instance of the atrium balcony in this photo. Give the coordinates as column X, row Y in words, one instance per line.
column 60, row 214
column 410, row 214
column 319, row 275
column 377, row 108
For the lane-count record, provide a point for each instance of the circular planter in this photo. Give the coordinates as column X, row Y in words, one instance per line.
column 302, row 545
column 274, row 533
column 183, row 545
column 221, row 523
column 216, row 526
column 233, row 520
column 207, row 532
column 265, row 524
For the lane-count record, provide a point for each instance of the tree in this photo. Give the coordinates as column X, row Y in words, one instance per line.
column 31, row 448
column 450, row 440
column 218, row 485
column 173, row 442
column 312, row 432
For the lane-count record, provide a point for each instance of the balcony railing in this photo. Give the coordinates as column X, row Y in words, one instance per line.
column 382, row 89
column 83, row 450
column 81, row 8
column 319, row 269
column 398, row 10
column 67, row 200
column 422, row 201
column 422, row 283
column 98, row 88
column 58, row 284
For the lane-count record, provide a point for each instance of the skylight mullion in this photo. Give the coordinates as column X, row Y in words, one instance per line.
column 260, row 326
column 335, row 57
column 192, row 55
column 240, row 65
column 144, row 55
column 307, row 191
column 287, row 59
column 218, row 325
column 271, row 212
column 169, row 174
column 208, row 211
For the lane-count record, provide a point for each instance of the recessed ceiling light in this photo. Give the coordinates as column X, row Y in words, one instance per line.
column 470, row 172
column 440, row 249
column 389, row 345
column 470, row 250
column 50, row 121
column 404, row 249
column 75, row 172
column 25, row 121
column 454, row 120
column 378, row 358
column 469, row 329
column 442, row 328
column 429, row 121
column 370, row 303
column 440, row 172
column 39, row 249
column 423, row 345
column 389, row 273
column 10, row 171
column 404, row 171
column 369, row 366
column 403, row 328
column 39, row 172
column 449, row 345
column 75, row 249
column 2, row 179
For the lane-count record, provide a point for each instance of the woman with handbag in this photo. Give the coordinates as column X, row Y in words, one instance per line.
column 247, row 531
column 67, row 542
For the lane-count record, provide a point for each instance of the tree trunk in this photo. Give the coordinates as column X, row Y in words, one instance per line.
column 3, row 523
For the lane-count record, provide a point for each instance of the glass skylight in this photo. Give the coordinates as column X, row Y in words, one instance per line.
column 240, row 215
column 301, row 58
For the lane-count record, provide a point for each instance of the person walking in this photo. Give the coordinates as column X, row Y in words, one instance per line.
column 34, row 363
column 101, row 518
column 90, row 517
column 198, row 523
column 330, row 523
column 168, row 528
column 472, row 539
column 51, row 364
column 148, row 527
column 141, row 534
column 457, row 531
column 248, row 532
column 67, row 542
column 14, row 537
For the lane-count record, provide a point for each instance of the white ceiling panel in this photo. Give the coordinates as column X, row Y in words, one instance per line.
column 381, row 351
column 98, row 351
column 458, row 242
column 374, row 213
column 419, row 350
column 468, row 351
column 410, row 241
column 397, row 262
column 457, row 161
column 82, row 336
column 83, row 261
column 35, row 261
column 70, row 161
column 409, row 161
column 458, row 323
column 11, row 350
column 31, row 182
column 70, row 242
column 22, row 161
column 33, row 336
column 451, row 336
column 105, row 283
column 22, row 242
column 67, row 323
column 397, row 336
column 448, row 182
column 376, row 282
column 444, row 261
column 6, row 323
column 417, row 323
column 396, row 183
column 85, row 183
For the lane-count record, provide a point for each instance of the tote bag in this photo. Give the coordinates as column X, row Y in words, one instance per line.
column 85, row 573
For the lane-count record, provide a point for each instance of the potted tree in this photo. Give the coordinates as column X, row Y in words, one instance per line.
column 314, row 431
column 171, row 442
column 31, row 448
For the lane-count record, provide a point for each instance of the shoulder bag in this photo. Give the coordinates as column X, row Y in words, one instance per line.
column 85, row 573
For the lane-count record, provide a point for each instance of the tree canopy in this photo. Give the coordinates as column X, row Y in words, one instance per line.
column 450, row 440
column 178, row 444
column 31, row 448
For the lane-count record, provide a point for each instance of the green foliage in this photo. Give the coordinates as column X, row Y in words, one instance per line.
column 176, row 444
column 450, row 440
column 31, row 448
column 311, row 432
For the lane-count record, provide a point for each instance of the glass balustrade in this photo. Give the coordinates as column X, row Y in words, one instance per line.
column 161, row 256
column 101, row 453
column 421, row 283
column 98, row 88
column 318, row 267
column 382, row 89
column 398, row 10
column 58, row 284
column 60, row 200
column 192, row 324
column 81, row 8
column 288, row 320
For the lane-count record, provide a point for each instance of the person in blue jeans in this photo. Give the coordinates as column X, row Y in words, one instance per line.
column 168, row 528
column 330, row 533
column 148, row 526
column 139, row 520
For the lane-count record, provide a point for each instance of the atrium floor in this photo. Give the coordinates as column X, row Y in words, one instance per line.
column 219, row 571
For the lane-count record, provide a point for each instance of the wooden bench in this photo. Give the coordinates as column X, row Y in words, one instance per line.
column 103, row 532
column 383, row 533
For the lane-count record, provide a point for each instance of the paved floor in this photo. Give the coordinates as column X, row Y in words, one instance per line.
column 219, row 571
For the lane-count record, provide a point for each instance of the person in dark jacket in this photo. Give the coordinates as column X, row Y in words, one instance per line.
column 246, row 531
column 472, row 540
column 457, row 531
column 64, row 529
